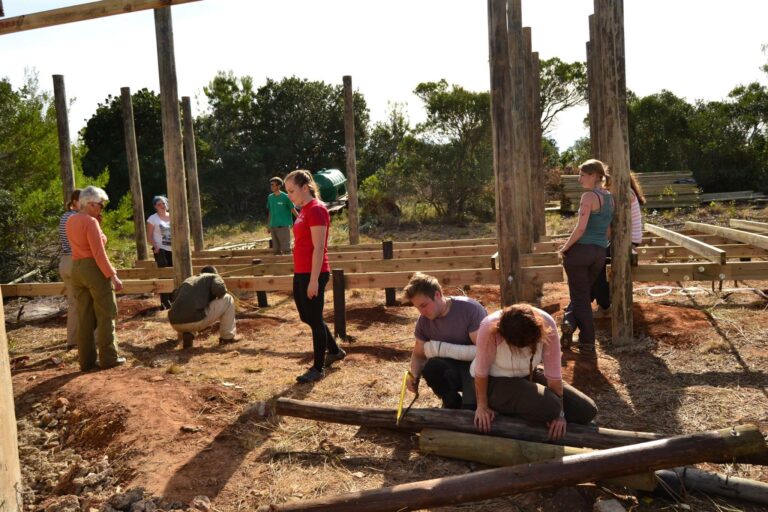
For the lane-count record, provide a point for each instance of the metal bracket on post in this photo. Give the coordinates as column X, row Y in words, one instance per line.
column 339, row 305
column 388, row 250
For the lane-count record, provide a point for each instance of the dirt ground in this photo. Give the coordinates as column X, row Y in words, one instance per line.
column 183, row 423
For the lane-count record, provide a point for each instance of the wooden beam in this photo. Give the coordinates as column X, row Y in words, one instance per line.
column 749, row 225
column 707, row 251
column 81, row 12
column 10, row 469
column 672, row 272
column 507, row 221
column 172, row 146
column 66, row 168
column 500, row 451
column 538, row 151
column 134, row 174
column 190, row 168
column 673, row 252
column 754, row 239
column 349, row 146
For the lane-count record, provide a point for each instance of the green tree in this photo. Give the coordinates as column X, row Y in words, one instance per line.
column 383, row 143
column 659, row 132
column 562, row 85
column 580, row 151
column 104, row 139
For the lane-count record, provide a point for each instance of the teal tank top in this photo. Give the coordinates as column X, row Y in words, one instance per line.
column 597, row 225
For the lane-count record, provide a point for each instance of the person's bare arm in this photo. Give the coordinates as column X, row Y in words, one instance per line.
column 318, row 249
column 418, row 360
column 557, row 426
column 585, row 210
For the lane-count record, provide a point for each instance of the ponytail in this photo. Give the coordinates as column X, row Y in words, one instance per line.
column 303, row 177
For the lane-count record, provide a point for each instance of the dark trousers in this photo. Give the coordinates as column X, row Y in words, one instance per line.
column 311, row 313
column 601, row 290
column 533, row 401
column 582, row 264
column 164, row 258
column 451, row 381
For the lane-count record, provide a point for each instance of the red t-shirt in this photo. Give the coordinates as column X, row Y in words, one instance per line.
column 314, row 213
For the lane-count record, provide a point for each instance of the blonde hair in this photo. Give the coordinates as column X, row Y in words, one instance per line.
column 303, row 177
column 594, row 166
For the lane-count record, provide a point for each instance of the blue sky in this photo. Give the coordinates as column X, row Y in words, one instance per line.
column 698, row 49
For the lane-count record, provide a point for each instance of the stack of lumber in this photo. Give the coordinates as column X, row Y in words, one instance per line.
column 744, row 195
column 661, row 189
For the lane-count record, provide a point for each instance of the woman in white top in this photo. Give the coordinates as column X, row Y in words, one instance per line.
column 601, row 291
column 159, row 236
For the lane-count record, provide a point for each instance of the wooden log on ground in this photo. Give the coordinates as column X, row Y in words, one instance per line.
column 571, row 470
column 80, row 12
column 587, row 436
column 10, row 469
column 690, row 479
column 499, row 451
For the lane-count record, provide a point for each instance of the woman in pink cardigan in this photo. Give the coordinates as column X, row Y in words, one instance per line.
column 94, row 282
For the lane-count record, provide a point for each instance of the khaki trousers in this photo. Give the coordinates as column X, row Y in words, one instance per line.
column 281, row 240
column 221, row 310
column 65, row 271
column 96, row 309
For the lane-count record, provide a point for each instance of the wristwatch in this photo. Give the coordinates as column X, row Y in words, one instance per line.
column 562, row 414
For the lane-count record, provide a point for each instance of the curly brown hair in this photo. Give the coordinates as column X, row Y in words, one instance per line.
column 520, row 326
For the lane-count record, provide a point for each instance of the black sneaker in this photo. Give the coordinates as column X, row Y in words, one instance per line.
column 120, row 361
column 312, row 375
column 187, row 339
column 566, row 338
column 332, row 358
column 588, row 349
column 228, row 341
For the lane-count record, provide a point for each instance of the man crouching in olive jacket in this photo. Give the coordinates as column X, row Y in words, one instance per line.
column 200, row 302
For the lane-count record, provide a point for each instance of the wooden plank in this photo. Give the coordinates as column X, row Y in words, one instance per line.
column 672, row 252
column 10, row 468
column 351, row 160
column 698, row 247
column 81, row 12
column 134, row 174
column 66, row 168
column 754, row 239
column 501, row 451
column 672, row 272
column 749, row 225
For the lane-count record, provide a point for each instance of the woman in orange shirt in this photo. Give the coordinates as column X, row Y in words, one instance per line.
column 93, row 279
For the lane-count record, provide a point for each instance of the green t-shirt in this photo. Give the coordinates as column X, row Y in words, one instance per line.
column 280, row 207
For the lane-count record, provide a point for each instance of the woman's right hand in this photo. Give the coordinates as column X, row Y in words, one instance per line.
column 155, row 249
column 484, row 416
column 116, row 283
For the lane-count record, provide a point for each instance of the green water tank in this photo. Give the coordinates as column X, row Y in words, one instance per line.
column 332, row 184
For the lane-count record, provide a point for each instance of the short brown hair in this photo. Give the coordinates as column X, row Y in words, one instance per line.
column 277, row 180
column 520, row 326
column 422, row 284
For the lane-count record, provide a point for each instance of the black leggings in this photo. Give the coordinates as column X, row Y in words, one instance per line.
column 164, row 258
column 311, row 313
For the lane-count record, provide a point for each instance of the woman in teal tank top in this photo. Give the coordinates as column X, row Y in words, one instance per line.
column 584, row 254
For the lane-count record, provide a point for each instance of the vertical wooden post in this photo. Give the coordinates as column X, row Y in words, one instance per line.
column 521, row 147
column 190, row 166
column 174, row 160
column 539, row 211
column 66, row 168
column 262, row 299
column 388, row 251
column 609, row 16
column 349, row 144
column 507, row 231
column 10, row 469
column 339, row 304
column 134, row 174
column 598, row 94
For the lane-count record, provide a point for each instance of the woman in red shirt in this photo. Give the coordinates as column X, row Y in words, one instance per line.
column 311, row 270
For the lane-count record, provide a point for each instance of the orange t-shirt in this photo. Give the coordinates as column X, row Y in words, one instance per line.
column 88, row 241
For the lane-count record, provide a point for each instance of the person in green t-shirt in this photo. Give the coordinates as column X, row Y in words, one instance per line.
column 280, row 213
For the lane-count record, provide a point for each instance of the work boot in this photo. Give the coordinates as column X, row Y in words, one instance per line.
column 332, row 358
column 312, row 375
column 120, row 361
column 228, row 341
column 566, row 336
column 187, row 338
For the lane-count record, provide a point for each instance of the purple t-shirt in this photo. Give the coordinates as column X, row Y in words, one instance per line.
column 463, row 317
